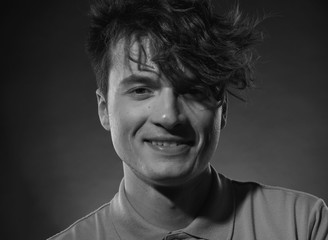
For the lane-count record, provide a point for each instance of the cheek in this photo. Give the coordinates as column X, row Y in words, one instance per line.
column 210, row 121
column 118, row 133
column 215, row 127
column 125, row 123
column 209, row 127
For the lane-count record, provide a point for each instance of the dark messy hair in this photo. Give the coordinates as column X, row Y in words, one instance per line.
column 217, row 49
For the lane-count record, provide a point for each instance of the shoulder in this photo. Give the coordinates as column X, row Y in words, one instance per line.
column 280, row 210
column 275, row 196
column 92, row 226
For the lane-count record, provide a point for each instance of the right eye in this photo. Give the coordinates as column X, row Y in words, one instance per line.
column 140, row 93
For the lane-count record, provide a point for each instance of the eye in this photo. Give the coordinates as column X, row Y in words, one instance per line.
column 196, row 94
column 140, row 93
column 195, row 91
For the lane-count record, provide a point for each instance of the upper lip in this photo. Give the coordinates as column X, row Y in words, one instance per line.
column 174, row 139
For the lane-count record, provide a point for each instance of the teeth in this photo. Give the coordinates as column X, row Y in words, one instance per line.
column 164, row 144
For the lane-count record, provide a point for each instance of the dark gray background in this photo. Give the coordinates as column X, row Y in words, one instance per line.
column 58, row 163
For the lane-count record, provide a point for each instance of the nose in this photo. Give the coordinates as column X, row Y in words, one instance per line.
column 168, row 111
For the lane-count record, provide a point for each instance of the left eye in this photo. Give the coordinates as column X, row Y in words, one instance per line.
column 195, row 93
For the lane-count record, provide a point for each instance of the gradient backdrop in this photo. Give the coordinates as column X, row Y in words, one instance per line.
column 58, row 164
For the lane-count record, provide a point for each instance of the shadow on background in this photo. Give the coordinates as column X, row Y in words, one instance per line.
column 57, row 162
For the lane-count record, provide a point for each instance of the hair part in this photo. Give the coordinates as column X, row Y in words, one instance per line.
column 217, row 49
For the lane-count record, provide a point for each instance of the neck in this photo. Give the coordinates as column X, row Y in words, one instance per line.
column 169, row 208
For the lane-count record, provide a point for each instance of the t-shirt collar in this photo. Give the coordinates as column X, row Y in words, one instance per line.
column 215, row 221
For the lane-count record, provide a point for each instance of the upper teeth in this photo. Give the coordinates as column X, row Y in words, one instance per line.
column 165, row 144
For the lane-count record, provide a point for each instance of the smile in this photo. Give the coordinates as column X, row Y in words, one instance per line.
column 165, row 143
column 168, row 147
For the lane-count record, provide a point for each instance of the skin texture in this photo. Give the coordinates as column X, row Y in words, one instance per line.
column 164, row 138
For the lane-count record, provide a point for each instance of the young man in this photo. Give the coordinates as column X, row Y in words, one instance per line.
column 164, row 69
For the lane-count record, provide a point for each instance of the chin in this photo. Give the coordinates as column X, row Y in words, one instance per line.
column 170, row 175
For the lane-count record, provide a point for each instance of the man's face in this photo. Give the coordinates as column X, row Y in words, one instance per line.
column 163, row 136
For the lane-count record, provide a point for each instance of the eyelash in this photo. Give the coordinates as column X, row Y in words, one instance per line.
column 143, row 93
column 196, row 93
column 146, row 92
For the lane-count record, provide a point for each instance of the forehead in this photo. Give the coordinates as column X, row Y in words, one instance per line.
column 137, row 56
column 133, row 55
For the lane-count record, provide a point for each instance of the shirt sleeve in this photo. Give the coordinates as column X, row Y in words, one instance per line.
column 318, row 224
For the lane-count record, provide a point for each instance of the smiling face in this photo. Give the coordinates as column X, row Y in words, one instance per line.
column 165, row 136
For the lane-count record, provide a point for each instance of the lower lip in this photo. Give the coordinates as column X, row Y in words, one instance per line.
column 169, row 150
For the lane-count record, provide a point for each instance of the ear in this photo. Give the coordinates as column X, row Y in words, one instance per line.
column 103, row 110
column 224, row 114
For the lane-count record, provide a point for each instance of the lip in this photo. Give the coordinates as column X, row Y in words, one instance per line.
column 168, row 139
column 169, row 150
column 172, row 146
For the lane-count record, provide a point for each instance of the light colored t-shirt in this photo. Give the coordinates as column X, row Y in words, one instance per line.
column 233, row 210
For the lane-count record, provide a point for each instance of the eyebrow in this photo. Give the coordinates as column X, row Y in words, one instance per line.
column 134, row 79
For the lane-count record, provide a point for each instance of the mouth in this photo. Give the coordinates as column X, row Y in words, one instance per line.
column 165, row 143
column 169, row 146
